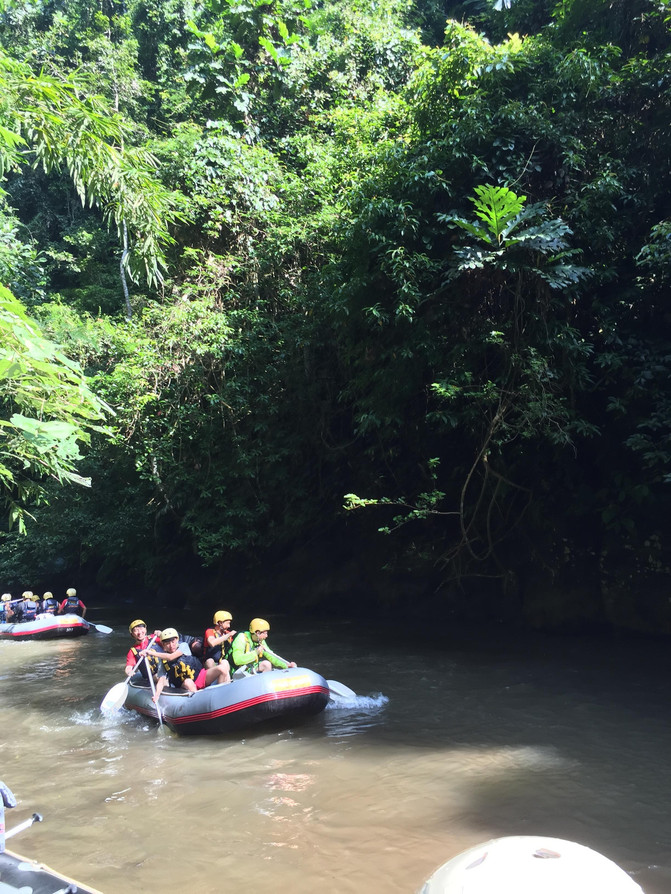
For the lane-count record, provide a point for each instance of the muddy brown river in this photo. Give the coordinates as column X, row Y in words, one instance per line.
column 447, row 745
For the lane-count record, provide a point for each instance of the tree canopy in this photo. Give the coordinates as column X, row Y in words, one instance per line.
column 392, row 266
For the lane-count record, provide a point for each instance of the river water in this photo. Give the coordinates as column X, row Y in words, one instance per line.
column 448, row 744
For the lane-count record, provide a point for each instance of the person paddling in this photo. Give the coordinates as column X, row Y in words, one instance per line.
column 25, row 609
column 14, row 609
column 251, row 652
column 138, row 630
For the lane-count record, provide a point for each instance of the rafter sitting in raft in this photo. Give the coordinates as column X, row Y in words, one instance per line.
column 251, row 653
column 184, row 671
column 217, row 640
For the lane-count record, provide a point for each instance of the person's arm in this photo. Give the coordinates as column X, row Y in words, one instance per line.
column 275, row 660
column 83, row 608
column 213, row 641
column 131, row 663
column 166, row 655
column 227, row 636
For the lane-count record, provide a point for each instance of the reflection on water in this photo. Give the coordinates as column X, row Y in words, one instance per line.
column 290, row 782
column 560, row 739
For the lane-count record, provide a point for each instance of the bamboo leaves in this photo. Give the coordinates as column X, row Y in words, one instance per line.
column 60, row 123
column 48, row 410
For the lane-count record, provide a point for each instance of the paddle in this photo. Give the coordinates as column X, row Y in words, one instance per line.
column 339, row 690
column 100, row 628
column 117, row 694
column 26, row 824
column 153, row 692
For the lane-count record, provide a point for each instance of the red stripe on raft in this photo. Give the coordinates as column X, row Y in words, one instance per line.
column 43, row 629
column 250, row 703
column 239, row 706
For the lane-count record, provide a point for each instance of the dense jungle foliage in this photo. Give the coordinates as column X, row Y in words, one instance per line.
column 375, row 291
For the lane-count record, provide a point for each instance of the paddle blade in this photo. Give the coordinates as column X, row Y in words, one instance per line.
column 100, row 628
column 339, row 690
column 114, row 698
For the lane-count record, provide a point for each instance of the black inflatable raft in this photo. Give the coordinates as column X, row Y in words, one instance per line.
column 20, row 876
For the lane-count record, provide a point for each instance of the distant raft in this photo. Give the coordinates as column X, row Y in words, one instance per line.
column 283, row 696
column 46, row 627
column 528, row 864
column 19, row 875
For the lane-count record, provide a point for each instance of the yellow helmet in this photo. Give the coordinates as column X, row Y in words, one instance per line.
column 222, row 616
column 6, row 597
column 169, row 633
column 137, row 623
column 258, row 625
column 71, row 591
column 27, row 594
column 48, row 595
